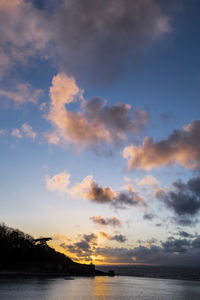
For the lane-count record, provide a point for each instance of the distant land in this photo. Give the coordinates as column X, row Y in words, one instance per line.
column 165, row 272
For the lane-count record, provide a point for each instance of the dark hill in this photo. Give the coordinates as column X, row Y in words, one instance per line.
column 21, row 253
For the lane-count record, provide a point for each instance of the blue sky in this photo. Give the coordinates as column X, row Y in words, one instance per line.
column 81, row 86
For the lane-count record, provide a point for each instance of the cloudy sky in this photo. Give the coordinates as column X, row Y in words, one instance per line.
column 100, row 128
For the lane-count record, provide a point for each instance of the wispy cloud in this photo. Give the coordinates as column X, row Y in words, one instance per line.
column 149, row 180
column 2, row 132
column 25, row 131
column 16, row 132
column 113, row 221
column 116, row 237
column 22, row 93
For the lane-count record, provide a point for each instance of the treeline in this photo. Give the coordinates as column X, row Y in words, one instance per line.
column 18, row 249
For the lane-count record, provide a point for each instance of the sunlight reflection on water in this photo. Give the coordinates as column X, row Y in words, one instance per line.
column 101, row 288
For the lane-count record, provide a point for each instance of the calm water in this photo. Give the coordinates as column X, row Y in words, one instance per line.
column 104, row 288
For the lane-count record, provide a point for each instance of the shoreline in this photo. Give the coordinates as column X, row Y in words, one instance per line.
column 5, row 274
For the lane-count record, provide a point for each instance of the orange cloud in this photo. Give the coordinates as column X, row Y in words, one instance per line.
column 58, row 182
column 72, row 127
column 61, row 237
column 149, row 180
column 182, row 147
column 95, row 123
column 21, row 16
column 104, row 234
column 90, row 190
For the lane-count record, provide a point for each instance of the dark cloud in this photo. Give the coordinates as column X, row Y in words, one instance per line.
column 117, row 119
column 185, row 220
column 185, row 234
column 149, row 241
column 119, row 200
column 115, row 255
column 170, row 253
column 94, row 38
column 128, row 198
column 90, row 190
column 166, row 116
column 99, row 37
column 106, row 221
column 84, row 248
column 173, row 251
column 176, row 245
column 117, row 237
column 182, row 146
column 194, row 185
column 183, row 199
column 90, row 237
column 148, row 216
column 182, row 203
column 100, row 194
column 196, row 243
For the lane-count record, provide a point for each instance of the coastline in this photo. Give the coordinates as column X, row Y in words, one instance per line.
column 156, row 272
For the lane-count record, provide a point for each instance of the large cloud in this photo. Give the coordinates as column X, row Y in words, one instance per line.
column 90, row 190
column 171, row 252
column 182, row 147
column 100, row 36
column 97, row 37
column 183, row 199
column 120, row 199
column 94, row 124
column 23, row 33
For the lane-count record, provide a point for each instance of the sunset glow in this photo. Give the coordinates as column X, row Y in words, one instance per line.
column 100, row 127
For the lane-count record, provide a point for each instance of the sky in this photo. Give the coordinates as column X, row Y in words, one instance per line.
column 100, row 128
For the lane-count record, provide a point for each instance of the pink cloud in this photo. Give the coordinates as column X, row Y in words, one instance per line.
column 182, row 147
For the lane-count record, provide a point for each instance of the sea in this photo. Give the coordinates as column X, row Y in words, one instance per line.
column 100, row 288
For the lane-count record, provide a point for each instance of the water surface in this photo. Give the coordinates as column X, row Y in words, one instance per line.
column 101, row 288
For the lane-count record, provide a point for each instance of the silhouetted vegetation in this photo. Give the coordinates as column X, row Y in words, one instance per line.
column 21, row 252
